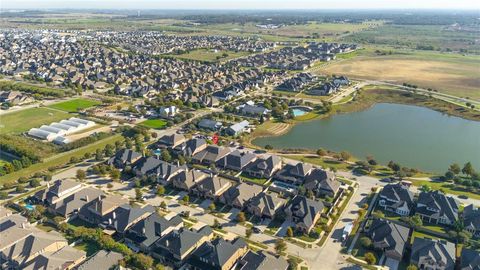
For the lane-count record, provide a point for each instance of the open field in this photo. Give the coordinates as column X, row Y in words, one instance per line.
column 432, row 37
column 74, row 105
column 62, row 158
column 154, row 123
column 447, row 187
column 449, row 73
column 24, row 120
column 209, row 55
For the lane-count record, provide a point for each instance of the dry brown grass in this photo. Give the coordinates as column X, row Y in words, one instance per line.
column 451, row 77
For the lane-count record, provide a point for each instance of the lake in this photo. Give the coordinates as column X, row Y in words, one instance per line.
column 413, row 136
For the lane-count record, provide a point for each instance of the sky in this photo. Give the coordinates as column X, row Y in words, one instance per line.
column 241, row 4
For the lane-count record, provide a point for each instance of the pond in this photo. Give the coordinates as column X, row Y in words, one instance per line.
column 413, row 136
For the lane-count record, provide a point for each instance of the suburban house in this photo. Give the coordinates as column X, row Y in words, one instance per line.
column 237, row 160
column 266, row 205
column 212, row 187
column 469, row 259
column 396, row 198
column 238, row 128
column 218, row 254
column 168, row 111
column 294, row 174
column 264, row 167
column 389, row 237
column 240, row 195
column 211, row 155
column 144, row 234
column 101, row 260
column 123, row 217
column 253, row 110
column 188, row 179
column 70, row 205
column 191, row 147
column 166, row 171
column 179, row 244
column 170, row 141
column 101, row 206
column 304, row 212
column 209, row 124
column 124, row 157
column 433, row 254
column 146, row 165
column 471, row 219
column 65, row 258
column 435, row 207
column 322, row 183
column 58, row 191
column 261, row 261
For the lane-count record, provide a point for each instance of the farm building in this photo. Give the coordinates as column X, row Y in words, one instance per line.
column 52, row 129
column 42, row 134
column 55, row 132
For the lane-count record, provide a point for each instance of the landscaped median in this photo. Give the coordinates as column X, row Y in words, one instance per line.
column 59, row 159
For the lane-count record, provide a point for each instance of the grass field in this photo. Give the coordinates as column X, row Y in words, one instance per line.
column 447, row 187
column 21, row 121
column 448, row 73
column 75, row 104
column 154, row 123
column 209, row 55
column 59, row 159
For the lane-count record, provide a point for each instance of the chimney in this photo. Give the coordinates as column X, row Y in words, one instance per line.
column 86, row 198
column 178, row 163
column 23, row 225
column 143, row 230
column 48, row 185
column 114, row 215
column 167, row 243
column 110, row 221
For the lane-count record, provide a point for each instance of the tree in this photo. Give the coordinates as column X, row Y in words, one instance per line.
column 115, row 174
column 366, row 242
column 3, row 195
column 468, row 169
column 289, row 232
column 166, row 156
column 268, row 147
column 160, row 190
column 211, row 207
column 163, row 205
column 34, row 182
column 280, row 245
column 449, row 175
column 98, row 155
column 138, row 194
column 81, row 175
column 216, row 224
column 241, row 217
column 321, row 152
column 248, row 232
column 454, row 168
column 412, row 267
column 370, row 258
column 414, row 221
column 425, row 188
column 20, row 189
column 186, row 199
column 141, row 261
column 345, row 155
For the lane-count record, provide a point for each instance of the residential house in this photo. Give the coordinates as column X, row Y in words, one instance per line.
column 212, row 187
column 294, row 174
column 168, row 111
column 266, row 205
column 396, row 198
column 253, row 110
column 191, row 147
column 124, row 157
column 179, row 244
column 209, row 124
column 211, row 155
column 188, row 179
column 219, row 254
column 58, row 191
column 146, row 165
column 65, row 258
column 304, row 212
column 264, row 167
column 389, row 237
column 322, row 183
column 469, row 259
column 101, row 206
column 123, row 217
column 240, row 195
column 171, row 141
column 238, row 128
column 143, row 235
column 101, row 260
column 71, row 205
column 435, row 207
column 261, row 260
column 471, row 219
column 433, row 254
column 237, row 160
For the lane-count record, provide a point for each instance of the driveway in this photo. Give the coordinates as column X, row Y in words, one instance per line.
column 283, row 228
column 232, row 214
column 392, row 264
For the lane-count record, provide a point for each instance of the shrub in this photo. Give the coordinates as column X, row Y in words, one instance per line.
column 370, row 258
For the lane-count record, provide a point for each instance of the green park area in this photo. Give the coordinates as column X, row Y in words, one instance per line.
column 21, row 121
column 210, row 55
column 154, row 123
column 74, row 105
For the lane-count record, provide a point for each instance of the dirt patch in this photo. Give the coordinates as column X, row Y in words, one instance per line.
column 451, row 77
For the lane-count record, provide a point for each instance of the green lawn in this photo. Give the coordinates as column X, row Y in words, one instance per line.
column 209, row 55
column 447, row 187
column 74, row 105
column 258, row 181
column 154, row 123
column 21, row 121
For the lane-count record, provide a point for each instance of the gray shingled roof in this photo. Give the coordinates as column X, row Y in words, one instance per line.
column 388, row 235
column 435, row 250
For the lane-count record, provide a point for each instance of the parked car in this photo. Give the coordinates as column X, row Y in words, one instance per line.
column 256, row 230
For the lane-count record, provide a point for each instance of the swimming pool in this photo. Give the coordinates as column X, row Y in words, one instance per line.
column 298, row 112
column 30, row 207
